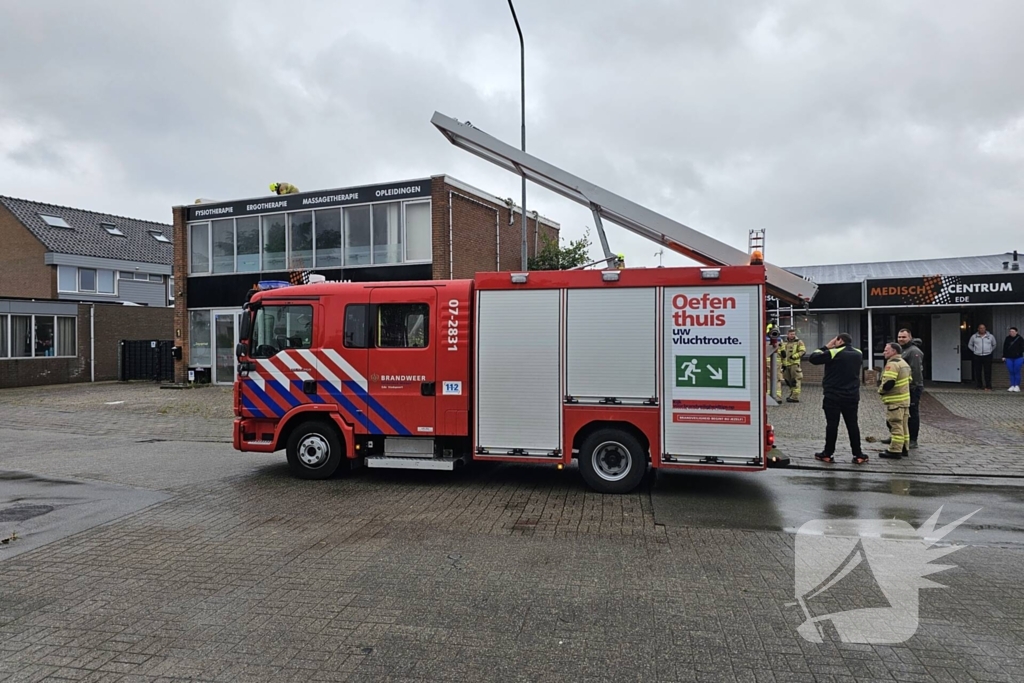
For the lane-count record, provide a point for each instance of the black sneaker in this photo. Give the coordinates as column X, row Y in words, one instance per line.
column 913, row 446
column 792, row 400
column 824, row 457
column 860, row 459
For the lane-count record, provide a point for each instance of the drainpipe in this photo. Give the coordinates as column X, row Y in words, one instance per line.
column 92, row 343
column 451, row 258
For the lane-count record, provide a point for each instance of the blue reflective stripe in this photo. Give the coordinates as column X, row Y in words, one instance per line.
column 286, row 394
column 267, row 401
column 347, row 405
column 251, row 407
column 378, row 408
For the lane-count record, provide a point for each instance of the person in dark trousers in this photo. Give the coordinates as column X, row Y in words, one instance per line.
column 983, row 346
column 841, row 387
column 914, row 356
column 1013, row 356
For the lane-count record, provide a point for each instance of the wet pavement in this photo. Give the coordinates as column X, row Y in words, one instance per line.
column 240, row 572
column 783, row 500
column 36, row 511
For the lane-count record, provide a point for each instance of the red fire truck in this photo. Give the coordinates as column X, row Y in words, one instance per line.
column 617, row 369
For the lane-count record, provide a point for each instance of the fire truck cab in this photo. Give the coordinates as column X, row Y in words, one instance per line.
column 618, row 369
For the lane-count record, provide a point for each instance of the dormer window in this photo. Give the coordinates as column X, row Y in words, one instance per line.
column 54, row 221
column 112, row 229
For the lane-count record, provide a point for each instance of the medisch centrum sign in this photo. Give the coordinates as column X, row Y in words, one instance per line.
column 945, row 290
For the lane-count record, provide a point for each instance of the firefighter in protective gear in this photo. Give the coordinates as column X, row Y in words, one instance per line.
column 790, row 353
column 895, row 392
column 283, row 188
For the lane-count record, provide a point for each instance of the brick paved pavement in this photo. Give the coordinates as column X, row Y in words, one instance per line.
column 502, row 572
column 963, row 432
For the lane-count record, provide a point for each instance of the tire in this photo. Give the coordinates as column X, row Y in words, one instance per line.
column 314, row 450
column 612, row 461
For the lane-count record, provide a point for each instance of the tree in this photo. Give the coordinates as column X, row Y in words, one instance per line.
column 553, row 256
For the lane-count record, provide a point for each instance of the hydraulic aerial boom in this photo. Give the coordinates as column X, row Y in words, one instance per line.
column 619, row 210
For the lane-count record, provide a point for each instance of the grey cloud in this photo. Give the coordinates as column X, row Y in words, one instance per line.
column 840, row 128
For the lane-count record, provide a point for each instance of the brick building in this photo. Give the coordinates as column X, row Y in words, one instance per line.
column 424, row 229
column 73, row 284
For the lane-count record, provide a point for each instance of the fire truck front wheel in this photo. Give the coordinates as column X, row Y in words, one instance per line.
column 314, row 450
column 612, row 461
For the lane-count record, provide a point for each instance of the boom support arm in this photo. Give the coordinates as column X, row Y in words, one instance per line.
column 619, row 210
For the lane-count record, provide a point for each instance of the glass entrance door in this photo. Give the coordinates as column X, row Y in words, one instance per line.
column 225, row 339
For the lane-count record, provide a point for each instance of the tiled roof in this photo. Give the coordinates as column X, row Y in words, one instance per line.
column 858, row 272
column 87, row 238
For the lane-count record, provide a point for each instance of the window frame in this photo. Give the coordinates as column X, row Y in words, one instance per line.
column 67, row 291
column 285, row 216
column 405, row 228
column 378, row 327
column 262, row 310
column 209, row 248
column 365, row 340
column 7, row 321
column 95, row 281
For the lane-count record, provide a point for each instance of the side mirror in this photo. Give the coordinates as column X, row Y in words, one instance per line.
column 176, row 352
column 241, row 349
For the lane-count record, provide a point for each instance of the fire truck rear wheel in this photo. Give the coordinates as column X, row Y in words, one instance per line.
column 314, row 450
column 612, row 461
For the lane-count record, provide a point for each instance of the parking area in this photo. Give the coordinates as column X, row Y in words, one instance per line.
column 235, row 571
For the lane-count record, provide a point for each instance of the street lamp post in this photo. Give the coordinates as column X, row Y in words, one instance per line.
column 522, row 70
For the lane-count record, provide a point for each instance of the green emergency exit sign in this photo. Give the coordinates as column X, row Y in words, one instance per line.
column 718, row 372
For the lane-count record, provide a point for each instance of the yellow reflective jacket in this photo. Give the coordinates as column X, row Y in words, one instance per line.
column 791, row 352
column 898, row 371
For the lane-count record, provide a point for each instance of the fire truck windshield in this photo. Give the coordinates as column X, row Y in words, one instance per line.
column 277, row 328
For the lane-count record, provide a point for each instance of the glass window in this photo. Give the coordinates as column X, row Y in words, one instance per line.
column 277, row 328
column 21, row 336
column 247, row 237
column 828, row 326
column 223, row 245
column 159, row 236
column 301, row 227
column 45, row 329
column 154, row 277
column 142, row 276
column 170, row 288
column 355, row 326
column 402, row 326
column 273, row 243
column 54, row 221
column 105, row 281
column 126, row 275
column 67, row 279
column 199, row 338
column 417, row 232
column 112, row 229
column 387, row 233
column 86, row 280
column 67, row 343
column 328, row 238
column 357, row 236
column 199, row 243
column 4, row 350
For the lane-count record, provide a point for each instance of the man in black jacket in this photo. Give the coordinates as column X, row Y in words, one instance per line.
column 841, row 387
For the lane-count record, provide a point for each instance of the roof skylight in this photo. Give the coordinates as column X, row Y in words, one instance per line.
column 112, row 229
column 159, row 236
column 54, row 221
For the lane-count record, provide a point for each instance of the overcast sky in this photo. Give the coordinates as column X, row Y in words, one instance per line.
column 850, row 131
